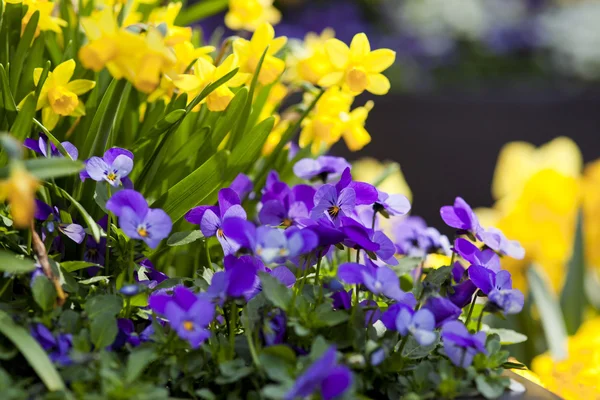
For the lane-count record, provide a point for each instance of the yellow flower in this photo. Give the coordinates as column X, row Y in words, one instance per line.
column 204, row 74
column 314, row 63
column 275, row 136
column 250, row 14
column 20, row 190
column 353, row 131
column 250, row 52
column 47, row 22
column 324, row 126
column 357, row 67
column 59, row 95
column 155, row 60
column 166, row 15
column 591, row 218
column 578, row 376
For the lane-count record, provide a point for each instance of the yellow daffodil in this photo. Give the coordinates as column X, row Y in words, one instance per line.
column 313, row 61
column 19, row 189
column 324, row 126
column 357, row 67
column 59, row 95
column 578, row 376
column 353, row 131
column 156, row 59
column 275, row 136
column 47, row 21
column 250, row 14
column 166, row 15
column 250, row 52
column 204, row 74
column 591, row 218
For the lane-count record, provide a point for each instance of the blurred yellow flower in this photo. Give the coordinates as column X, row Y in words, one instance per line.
column 371, row 170
column 250, row 14
column 47, row 21
column 357, row 67
column 19, row 189
column 275, row 136
column 59, row 95
column 591, row 214
column 206, row 73
column 538, row 194
column 578, row 376
column 353, row 129
column 312, row 62
column 250, row 52
column 166, row 15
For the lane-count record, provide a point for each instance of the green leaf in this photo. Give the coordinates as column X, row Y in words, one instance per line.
column 573, row 305
column 71, row 266
column 437, row 277
column 245, row 154
column 7, row 97
column 159, row 128
column 209, row 89
column 228, row 118
column 104, row 119
column 276, row 292
column 278, row 362
column 53, row 139
column 33, row 353
column 91, row 224
column 11, row 263
column 44, row 292
column 547, row 304
column 138, row 360
column 22, row 125
column 199, row 11
column 108, row 304
column 103, row 331
column 491, row 387
column 18, row 60
column 326, row 316
column 414, row 351
column 46, row 168
column 197, row 188
column 183, row 238
column 508, row 336
column 35, row 58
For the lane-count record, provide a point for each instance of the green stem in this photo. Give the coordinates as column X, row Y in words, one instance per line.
column 8, row 281
column 471, row 310
column 108, row 225
column 373, row 220
column 480, row 320
column 402, row 344
column 232, row 328
column 252, row 347
column 318, row 269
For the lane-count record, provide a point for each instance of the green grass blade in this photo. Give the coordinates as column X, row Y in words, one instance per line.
column 32, row 351
column 46, row 168
column 245, row 154
column 22, row 49
column 22, row 126
column 199, row 11
column 89, row 221
column 572, row 300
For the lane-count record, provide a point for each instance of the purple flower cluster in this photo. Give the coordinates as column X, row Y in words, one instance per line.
column 57, row 346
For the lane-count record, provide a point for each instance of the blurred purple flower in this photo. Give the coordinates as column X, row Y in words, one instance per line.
column 442, row 309
column 378, row 280
column 471, row 253
column 126, row 334
column 360, row 237
column 147, row 275
column 242, row 185
column 324, row 375
column 325, row 168
column 239, row 280
column 498, row 288
column 41, row 147
column 391, row 314
column 495, row 240
column 415, row 239
column 137, row 220
column 461, row 346
column 395, row 204
column 57, row 347
column 460, row 216
column 43, row 211
column 420, row 324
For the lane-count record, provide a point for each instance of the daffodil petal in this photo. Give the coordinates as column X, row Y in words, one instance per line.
column 187, row 83
column 204, row 70
column 49, row 118
column 360, row 46
column 262, row 37
column 63, row 72
column 378, row 84
column 331, row 79
column 81, row 86
column 379, row 60
column 277, row 44
column 338, row 52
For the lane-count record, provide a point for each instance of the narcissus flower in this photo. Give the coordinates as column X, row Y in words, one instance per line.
column 19, row 189
column 357, row 67
column 313, row 61
column 47, row 21
column 250, row 52
column 206, row 73
column 59, row 95
column 250, row 14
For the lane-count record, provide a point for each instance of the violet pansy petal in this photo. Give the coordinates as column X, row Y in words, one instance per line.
column 297, row 211
column 32, row 144
column 304, row 194
column 203, row 311
column 129, row 222
column 503, row 280
column 210, row 223
column 284, row 275
column 42, row 210
column 482, row 277
column 158, row 223
column 398, row 204
column 307, row 168
column 352, row 273
column 184, row 297
column 403, row 320
column 242, row 185
column 338, row 380
column 122, row 165
column 365, row 193
column 127, row 198
column 111, row 154
column 71, row 150
column 96, row 168
column 194, row 216
column 272, row 213
column 235, row 211
column 347, row 200
column 424, row 319
column 241, row 231
column 75, row 232
column 227, row 198
column 158, row 302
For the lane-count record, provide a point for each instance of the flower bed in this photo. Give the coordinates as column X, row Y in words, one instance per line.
column 194, row 251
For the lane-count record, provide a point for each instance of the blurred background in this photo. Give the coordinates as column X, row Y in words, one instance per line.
column 496, row 101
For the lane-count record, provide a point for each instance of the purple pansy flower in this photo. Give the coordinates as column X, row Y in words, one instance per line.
column 471, row 253
column 137, row 220
column 239, row 280
column 288, row 207
column 360, row 237
column 415, row 239
column 270, row 244
column 365, row 192
column 126, row 334
column 274, row 328
column 442, row 309
column 242, row 185
column 373, row 314
column 57, row 347
column 324, row 375
column 324, row 167
column 327, row 233
column 495, row 240
column 41, row 147
column 462, row 293
column 460, row 216
column 43, row 211
column 188, row 314
column 420, row 324
column 388, row 318
column 461, row 346
column 113, row 167
column 147, row 275
column 342, row 300
column 334, row 204
column 211, row 218
column 378, row 280
column 498, row 288
column 395, row 204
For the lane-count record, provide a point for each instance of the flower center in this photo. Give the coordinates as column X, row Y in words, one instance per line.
column 111, row 176
column 220, row 233
column 333, row 211
column 283, row 252
column 188, row 326
column 357, row 79
column 287, row 222
column 142, row 231
column 62, row 100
